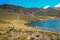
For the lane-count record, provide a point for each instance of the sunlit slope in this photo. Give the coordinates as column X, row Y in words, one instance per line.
column 11, row 18
column 8, row 18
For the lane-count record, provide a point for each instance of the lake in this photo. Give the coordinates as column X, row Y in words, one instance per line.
column 49, row 25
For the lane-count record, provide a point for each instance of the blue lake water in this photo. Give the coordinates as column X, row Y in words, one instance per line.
column 50, row 25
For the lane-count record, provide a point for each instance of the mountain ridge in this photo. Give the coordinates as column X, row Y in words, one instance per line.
column 36, row 11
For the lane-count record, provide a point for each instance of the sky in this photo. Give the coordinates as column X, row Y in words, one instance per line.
column 31, row 3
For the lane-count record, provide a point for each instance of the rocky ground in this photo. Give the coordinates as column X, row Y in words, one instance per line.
column 11, row 33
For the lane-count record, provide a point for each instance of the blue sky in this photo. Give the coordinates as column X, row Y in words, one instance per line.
column 31, row 3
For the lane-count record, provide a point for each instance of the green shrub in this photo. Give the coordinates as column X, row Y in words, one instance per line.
column 4, row 22
column 21, row 38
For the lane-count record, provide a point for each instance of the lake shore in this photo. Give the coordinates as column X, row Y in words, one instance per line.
column 41, row 19
column 25, row 31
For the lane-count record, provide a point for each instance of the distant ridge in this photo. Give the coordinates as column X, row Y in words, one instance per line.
column 11, row 7
column 36, row 11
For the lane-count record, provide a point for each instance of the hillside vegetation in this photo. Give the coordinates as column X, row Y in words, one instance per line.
column 13, row 26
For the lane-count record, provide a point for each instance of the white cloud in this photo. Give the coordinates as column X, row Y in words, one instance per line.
column 58, row 5
column 46, row 7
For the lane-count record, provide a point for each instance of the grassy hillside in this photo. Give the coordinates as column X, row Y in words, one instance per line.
column 16, row 30
column 14, row 23
column 12, row 27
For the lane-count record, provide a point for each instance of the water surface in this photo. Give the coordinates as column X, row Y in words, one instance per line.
column 50, row 25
